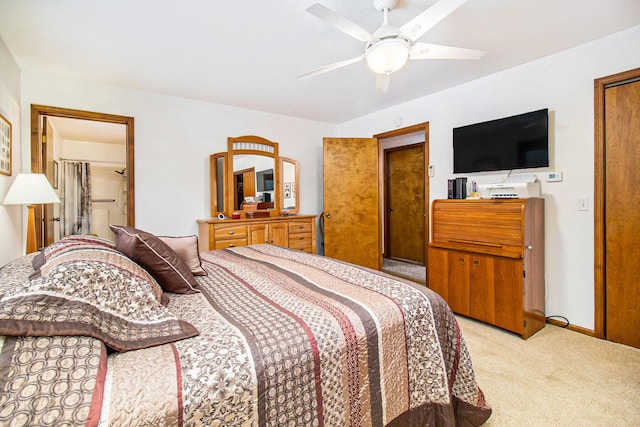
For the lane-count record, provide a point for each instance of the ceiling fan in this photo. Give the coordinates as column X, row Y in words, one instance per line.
column 388, row 48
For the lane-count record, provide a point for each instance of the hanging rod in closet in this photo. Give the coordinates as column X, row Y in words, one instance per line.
column 92, row 161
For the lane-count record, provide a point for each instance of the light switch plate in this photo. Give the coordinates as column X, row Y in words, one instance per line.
column 431, row 170
column 583, row 203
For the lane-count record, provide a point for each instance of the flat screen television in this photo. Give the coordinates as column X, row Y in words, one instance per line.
column 265, row 180
column 516, row 142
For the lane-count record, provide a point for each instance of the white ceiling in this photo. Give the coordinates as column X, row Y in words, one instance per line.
column 89, row 130
column 246, row 53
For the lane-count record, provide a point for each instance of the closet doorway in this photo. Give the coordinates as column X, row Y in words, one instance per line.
column 65, row 145
column 617, row 223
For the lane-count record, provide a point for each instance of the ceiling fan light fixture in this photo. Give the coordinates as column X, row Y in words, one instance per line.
column 388, row 55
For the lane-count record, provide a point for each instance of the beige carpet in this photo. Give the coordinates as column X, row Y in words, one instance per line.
column 555, row 378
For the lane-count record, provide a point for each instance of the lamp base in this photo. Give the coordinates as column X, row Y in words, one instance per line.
column 31, row 229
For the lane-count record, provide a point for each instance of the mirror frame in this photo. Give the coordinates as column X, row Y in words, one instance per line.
column 213, row 184
column 254, row 145
column 251, row 145
column 296, row 184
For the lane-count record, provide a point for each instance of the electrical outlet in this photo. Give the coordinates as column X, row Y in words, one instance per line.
column 554, row 176
column 583, row 203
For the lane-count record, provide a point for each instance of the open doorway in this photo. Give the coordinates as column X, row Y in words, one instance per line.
column 70, row 146
column 406, row 201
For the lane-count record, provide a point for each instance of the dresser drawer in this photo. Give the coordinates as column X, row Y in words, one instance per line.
column 300, row 227
column 230, row 243
column 233, row 232
column 301, row 242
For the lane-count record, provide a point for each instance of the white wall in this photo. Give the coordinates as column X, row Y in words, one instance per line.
column 174, row 137
column 564, row 84
column 173, row 140
column 12, row 226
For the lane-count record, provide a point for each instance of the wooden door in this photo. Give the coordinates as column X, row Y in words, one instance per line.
column 258, row 233
column 458, row 279
column 438, row 272
column 508, row 291
column 279, row 234
column 351, row 188
column 48, row 144
column 482, row 295
column 405, row 204
column 245, row 186
column 622, row 220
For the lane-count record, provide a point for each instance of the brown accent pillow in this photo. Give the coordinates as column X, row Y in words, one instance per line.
column 187, row 249
column 162, row 262
column 91, row 298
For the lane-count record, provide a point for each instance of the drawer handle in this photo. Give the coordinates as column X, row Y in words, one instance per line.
column 301, row 227
column 232, row 245
column 476, row 262
column 232, row 232
column 461, row 260
column 473, row 242
column 300, row 238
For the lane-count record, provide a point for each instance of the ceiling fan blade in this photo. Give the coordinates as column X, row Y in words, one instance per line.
column 435, row 51
column 340, row 22
column 329, row 67
column 422, row 23
column 382, row 82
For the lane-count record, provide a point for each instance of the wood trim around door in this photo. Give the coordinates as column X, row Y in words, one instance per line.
column 424, row 126
column 38, row 111
column 599, row 266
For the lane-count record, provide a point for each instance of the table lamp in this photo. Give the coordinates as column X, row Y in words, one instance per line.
column 30, row 189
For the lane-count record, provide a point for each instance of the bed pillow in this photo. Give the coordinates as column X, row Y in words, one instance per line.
column 157, row 258
column 91, row 298
column 187, row 249
column 103, row 254
column 69, row 243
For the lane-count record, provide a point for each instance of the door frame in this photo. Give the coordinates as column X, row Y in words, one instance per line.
column 419, row 127
column 37, row 162
column 599, row 267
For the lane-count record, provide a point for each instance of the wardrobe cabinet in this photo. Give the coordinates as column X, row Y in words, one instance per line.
column 295, row 232
column 486, row 259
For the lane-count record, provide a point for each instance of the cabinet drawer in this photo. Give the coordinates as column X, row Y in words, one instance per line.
column 299, row 238
column 301, row 245
column 300, row 227
column 234, row 232
column 230, row 243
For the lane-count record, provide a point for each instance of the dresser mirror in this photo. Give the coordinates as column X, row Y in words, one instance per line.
column 289, row 185
column 252, row 180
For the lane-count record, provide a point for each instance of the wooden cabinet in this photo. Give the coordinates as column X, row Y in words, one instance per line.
column 296, row 232
column 486, row 259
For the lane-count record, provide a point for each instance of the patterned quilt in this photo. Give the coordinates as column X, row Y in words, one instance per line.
column 285, row 338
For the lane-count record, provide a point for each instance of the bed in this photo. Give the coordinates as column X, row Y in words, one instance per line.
column 148, row 332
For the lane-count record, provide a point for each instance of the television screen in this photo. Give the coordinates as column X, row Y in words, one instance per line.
column 265, row 180
column 515, row 142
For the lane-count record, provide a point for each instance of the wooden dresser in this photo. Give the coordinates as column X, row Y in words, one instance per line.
column 486, row 259
column 294, row 231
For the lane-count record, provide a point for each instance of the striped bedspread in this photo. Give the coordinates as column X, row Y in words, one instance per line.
column 290, row 339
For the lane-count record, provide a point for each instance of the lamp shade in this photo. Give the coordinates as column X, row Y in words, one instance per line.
column 30, row 189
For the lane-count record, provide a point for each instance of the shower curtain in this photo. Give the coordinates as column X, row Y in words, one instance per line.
column 75, row 215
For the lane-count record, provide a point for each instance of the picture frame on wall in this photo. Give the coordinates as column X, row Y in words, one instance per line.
column 5, row 146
